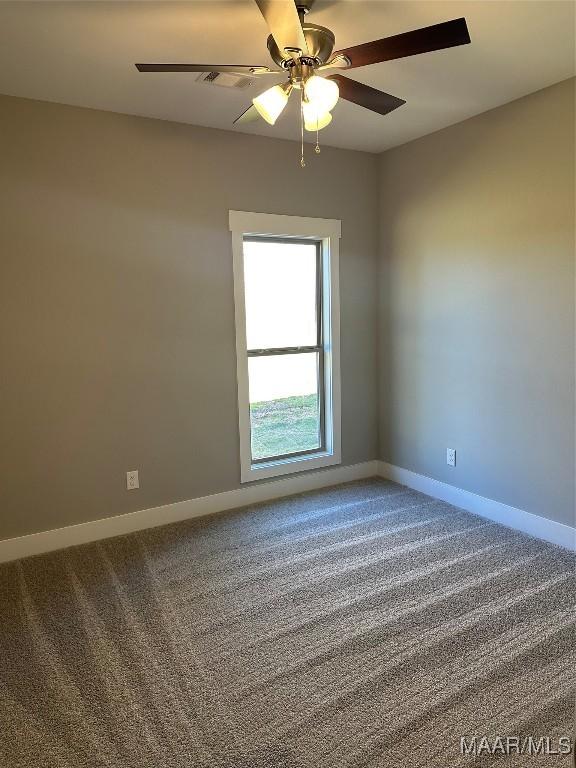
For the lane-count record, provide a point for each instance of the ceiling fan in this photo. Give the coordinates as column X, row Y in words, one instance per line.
column 303, row 51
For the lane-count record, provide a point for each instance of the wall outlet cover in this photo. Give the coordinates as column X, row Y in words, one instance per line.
column 451, row 457
column 132, row 480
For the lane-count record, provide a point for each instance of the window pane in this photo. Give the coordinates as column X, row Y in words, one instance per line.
column 280, row 286
column 284, row 404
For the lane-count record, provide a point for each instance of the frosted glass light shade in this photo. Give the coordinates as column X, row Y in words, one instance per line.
column 271, row 103
column 322, row 93
column 314, row 120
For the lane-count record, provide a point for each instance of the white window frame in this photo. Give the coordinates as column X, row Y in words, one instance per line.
column 327, row 233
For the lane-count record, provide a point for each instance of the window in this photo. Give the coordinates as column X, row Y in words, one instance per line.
column 287, row 342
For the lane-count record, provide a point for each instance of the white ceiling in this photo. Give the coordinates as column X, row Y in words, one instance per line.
column 83, row 53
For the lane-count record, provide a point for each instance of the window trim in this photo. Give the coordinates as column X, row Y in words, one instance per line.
column 327, row 233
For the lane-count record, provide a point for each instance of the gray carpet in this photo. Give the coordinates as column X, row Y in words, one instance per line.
column 364, row 625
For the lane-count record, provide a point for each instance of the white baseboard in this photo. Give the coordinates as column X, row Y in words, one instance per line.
column 83, row 533
column 512, row 517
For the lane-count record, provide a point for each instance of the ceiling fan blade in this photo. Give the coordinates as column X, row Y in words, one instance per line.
column 238, row 69
column 248, row 116
column 434, row 38
column 366, row 96
column 284, row 24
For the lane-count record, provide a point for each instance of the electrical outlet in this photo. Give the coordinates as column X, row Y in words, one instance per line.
column 132, row 480
column 451, row 457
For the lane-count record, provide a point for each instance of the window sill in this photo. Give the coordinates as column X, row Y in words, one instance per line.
column 289, row 466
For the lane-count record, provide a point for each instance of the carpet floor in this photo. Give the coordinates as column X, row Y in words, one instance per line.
column 364, row 625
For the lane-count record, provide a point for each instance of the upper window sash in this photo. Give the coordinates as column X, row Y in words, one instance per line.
column 283, row 297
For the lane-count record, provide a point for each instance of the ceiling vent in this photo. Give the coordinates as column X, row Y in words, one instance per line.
column 224, row 79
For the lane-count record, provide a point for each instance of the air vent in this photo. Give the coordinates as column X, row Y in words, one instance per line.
column 224, row 79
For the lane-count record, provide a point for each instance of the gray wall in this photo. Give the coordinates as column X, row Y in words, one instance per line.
column 116, row 304
column 476, row 331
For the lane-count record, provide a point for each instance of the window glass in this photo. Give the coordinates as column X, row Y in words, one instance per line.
column 284, row 404
column 280, row 284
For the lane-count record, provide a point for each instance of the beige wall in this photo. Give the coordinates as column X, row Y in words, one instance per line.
column 116, row 304
column 477, row 304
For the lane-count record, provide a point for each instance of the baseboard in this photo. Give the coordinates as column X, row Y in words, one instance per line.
column 512, row 517
column 96, row 530
column 83, row 533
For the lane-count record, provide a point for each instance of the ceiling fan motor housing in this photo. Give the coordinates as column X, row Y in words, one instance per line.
column 320, row 42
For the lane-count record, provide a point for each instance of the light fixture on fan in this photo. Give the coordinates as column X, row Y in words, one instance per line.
column 322, row 93
column 271, row 103
column 314, row 120
column 304, row 51
column 319, row 99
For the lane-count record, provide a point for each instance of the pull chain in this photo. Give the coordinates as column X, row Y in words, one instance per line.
column 317, row 147
column 302, row 161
